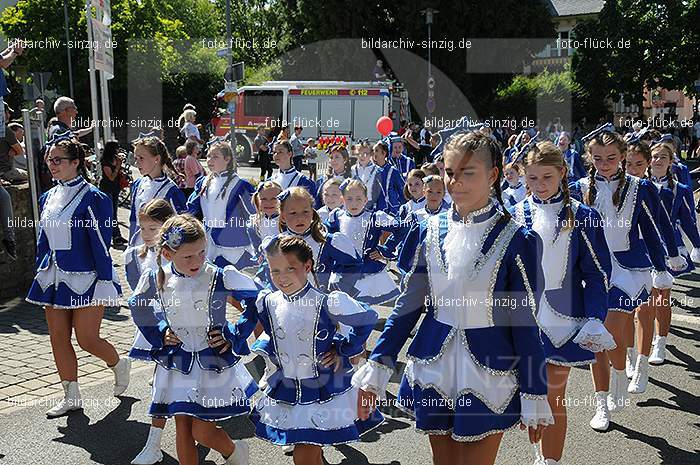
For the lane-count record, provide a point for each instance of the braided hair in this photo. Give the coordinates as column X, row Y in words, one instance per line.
column 158, row 210
column 295, row 246
column 643, row 149
column 670, row 150
column 156, row 147
column 604, row 139
column 472, row 142
column 547, row 154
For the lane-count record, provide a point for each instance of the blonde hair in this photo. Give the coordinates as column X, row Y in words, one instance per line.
column 257, row 218
column 225, row 149
column 547, row 154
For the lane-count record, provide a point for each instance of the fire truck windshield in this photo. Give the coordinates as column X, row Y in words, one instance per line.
column 263, row 103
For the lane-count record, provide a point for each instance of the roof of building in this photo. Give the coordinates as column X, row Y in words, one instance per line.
column 574, row 7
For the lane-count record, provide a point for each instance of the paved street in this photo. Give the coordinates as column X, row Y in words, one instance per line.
column 661, row 427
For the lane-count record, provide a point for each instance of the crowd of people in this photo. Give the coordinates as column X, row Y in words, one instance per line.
column 519, row 261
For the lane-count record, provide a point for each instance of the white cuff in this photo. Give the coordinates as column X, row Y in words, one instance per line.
column 535, row 410
column 695, row 254
column 662, row 280
column 677, row 263
column 106, row 293
column 595, row 337
column 373, row 377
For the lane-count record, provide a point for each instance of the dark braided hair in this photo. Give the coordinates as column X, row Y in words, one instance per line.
column 547, row 154
column 74, row 150
column 606, row 138
column 468, row 144
column 643, row 149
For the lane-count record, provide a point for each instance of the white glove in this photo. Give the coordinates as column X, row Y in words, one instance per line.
column 373, row 377
column 535, row 410
column 595, row 337
column 695, row 254
column 106, row 294
column 662, row 280
column 677, row 263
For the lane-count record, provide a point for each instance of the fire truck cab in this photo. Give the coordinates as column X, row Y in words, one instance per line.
column 320, row 108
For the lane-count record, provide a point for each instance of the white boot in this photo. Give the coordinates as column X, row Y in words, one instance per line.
column 617, row 399
column 122, row 373
column 71, row 400
column 552, row 462
column 640, row 379
column 241, row 455
column 601, row 419
column 630, row 361
column 658, row 351
column 151, row 452
column 288, row 450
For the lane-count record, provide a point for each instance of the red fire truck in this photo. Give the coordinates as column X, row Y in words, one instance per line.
column 321, row 108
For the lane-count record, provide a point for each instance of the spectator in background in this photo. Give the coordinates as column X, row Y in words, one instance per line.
column 66, row 112
column 193, row 169
column 7, row 217
column 264, row 156
column 425, row 148
column 110, row 184
column 9, row 149
column 189, row 130
column 297, row 148
column 6, row 58
column 20, row 160
column 378, row 73
column 311, row 157
column 181, row 119
column 179, row 162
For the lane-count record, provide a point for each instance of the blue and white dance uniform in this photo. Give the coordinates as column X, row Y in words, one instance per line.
column 135, row 266
column 292, row 178
column 514, row 194
column 574, row 303
column 261, row 226
column 192, row 378
column 73, row 264
column 323, row 213
column 425, row 213
column 574, row 161
column 385, row 191
column 632, row 259
column 476, row 365
column 225, row 208
column 678, row 205
column 363, row 173
column 392, row 246
column 682, row 173
column 409, row 207
column 374, row 285
column 335, row 258
column 305, row 402
column 403, row 164
column 145, row 189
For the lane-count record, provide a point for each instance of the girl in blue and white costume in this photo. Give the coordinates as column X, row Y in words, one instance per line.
column 680, row 208
column 638, row 162
column 385, row 188
column 336, row 256
column 151, row 159
column 223, row 200
column 288, row 176
column 574, row 161
column 338, row 168
column 331, row 197
column 137, row 261
column 374, row 285
column 265, row 222
column 199, row 378
column 515, row 190
column 413, row 193
column 310, row 401
column 398, row 159
column 471, row 374
column 75, row 278
column 575, row 299
column 628, row 206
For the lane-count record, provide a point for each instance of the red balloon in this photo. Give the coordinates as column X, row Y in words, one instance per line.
column 384, row 125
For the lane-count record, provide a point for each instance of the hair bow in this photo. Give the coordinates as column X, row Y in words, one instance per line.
column 58, row 137
column 463, row 125
column 282, row 196
column 143, row 135
column 173, row 237
column 526, row 148
column 607, row 127
column 344, row 185
column 665, row 138
column 269, row 243
column 632, row 138
column 431, row 177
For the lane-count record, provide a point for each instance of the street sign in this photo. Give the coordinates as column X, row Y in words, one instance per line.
column 235, row 72
column 223, row 52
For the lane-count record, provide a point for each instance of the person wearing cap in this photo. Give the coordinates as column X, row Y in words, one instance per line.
column 297, row 148
column 9, row 149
